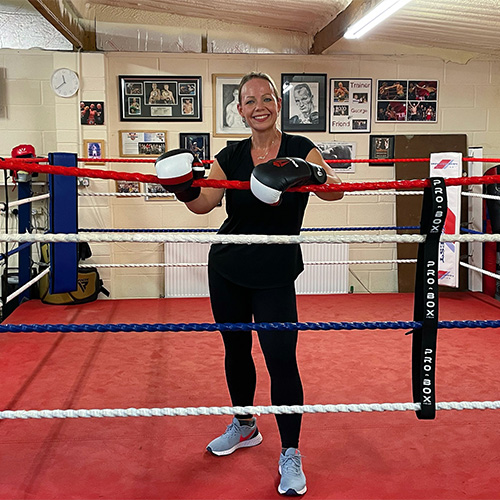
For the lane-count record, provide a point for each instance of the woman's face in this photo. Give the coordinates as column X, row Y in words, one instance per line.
column 258, row 104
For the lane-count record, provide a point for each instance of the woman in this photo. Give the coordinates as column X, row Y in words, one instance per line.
column 258, row 280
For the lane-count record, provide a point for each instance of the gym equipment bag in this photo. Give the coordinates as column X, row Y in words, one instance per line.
column 89, row 286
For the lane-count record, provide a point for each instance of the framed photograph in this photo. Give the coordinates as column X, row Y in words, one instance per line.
column 227, row 119
column 304, row 102
column 155, row 192
column 94, row 149
column 381, row 147
column 92, row 112
column 407, row 100
column 128, row 187
column 144, row 143
column 160, row 98
column 199, row 144
column 350, row 105
column 336, row 150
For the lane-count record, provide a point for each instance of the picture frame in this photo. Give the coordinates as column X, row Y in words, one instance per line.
column 155, row 192
column 304, row 102
column 381, row 146
column 160, row 98
column 94, row 148
column 350, row 105
column 92, row 112
column 227, row 122
column 339, row 150
column 127, row 186
column 198, row 143
column 407, row 100
column 142, row 143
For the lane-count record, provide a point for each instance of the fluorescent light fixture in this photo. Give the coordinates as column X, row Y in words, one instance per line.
column 375, row 16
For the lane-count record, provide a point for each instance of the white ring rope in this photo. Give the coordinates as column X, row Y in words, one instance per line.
column 23, row 201
column 158, row 264
column 479, row 270
column 374, row 192
column 481, row 195
column 21, row 289
column 370, row 192
column 238, row 410
column 201, row 264
column 156, row 195
column 240, row 238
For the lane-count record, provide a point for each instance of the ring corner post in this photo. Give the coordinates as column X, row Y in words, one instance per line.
column 63, row 219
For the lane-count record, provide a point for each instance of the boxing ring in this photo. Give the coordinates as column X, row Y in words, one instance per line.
column 123, row 367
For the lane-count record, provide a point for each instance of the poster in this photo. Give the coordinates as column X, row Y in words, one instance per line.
column 350, row 105
column 407, row 100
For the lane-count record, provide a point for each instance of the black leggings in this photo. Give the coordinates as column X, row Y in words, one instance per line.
column 233, row 303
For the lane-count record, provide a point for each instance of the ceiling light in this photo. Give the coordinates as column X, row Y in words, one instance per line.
column 375, row 16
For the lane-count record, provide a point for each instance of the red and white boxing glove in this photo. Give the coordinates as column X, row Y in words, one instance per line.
column 270, row 180
column 23, row 151
column 176, row 171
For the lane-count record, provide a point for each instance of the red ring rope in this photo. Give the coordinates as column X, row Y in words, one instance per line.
column 346, row 160
column 32, row 166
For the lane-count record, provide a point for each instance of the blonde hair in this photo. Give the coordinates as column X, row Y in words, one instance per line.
column 262, row 76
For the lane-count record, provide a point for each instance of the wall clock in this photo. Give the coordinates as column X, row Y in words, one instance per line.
column 65, row 82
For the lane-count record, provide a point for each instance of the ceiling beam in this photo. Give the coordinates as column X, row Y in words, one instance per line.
column 65, row 20
column 335, row 29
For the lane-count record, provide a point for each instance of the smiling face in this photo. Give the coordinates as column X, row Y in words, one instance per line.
column 259, row 105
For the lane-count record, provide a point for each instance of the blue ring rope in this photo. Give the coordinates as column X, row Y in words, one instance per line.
column 471, row 231
column 239, row 327
column 18, row 249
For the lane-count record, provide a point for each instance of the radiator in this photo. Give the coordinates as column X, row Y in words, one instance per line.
column 186, row 269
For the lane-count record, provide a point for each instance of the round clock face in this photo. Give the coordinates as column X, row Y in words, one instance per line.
column 64, row 82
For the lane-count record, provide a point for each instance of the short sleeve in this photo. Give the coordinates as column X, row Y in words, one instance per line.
column 299, row 146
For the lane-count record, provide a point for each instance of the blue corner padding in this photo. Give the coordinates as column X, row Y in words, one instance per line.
column 63, row 219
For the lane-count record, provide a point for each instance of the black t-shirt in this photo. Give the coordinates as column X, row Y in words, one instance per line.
column 254, row 265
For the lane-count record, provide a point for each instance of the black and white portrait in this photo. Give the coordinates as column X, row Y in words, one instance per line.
column 338, row 151
column 227, row 119
column 232, row 117
column 304, row 103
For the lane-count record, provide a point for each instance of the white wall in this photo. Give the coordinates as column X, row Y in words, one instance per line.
column 469, row 102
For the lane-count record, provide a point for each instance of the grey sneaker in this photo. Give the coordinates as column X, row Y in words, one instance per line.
column 236, row 436
column 293, row 480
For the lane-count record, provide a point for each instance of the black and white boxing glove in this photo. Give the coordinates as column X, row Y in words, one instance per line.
column 271, row 179
column 176, row 171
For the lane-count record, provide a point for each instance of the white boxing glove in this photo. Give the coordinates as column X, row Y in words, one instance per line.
column 176, row 171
